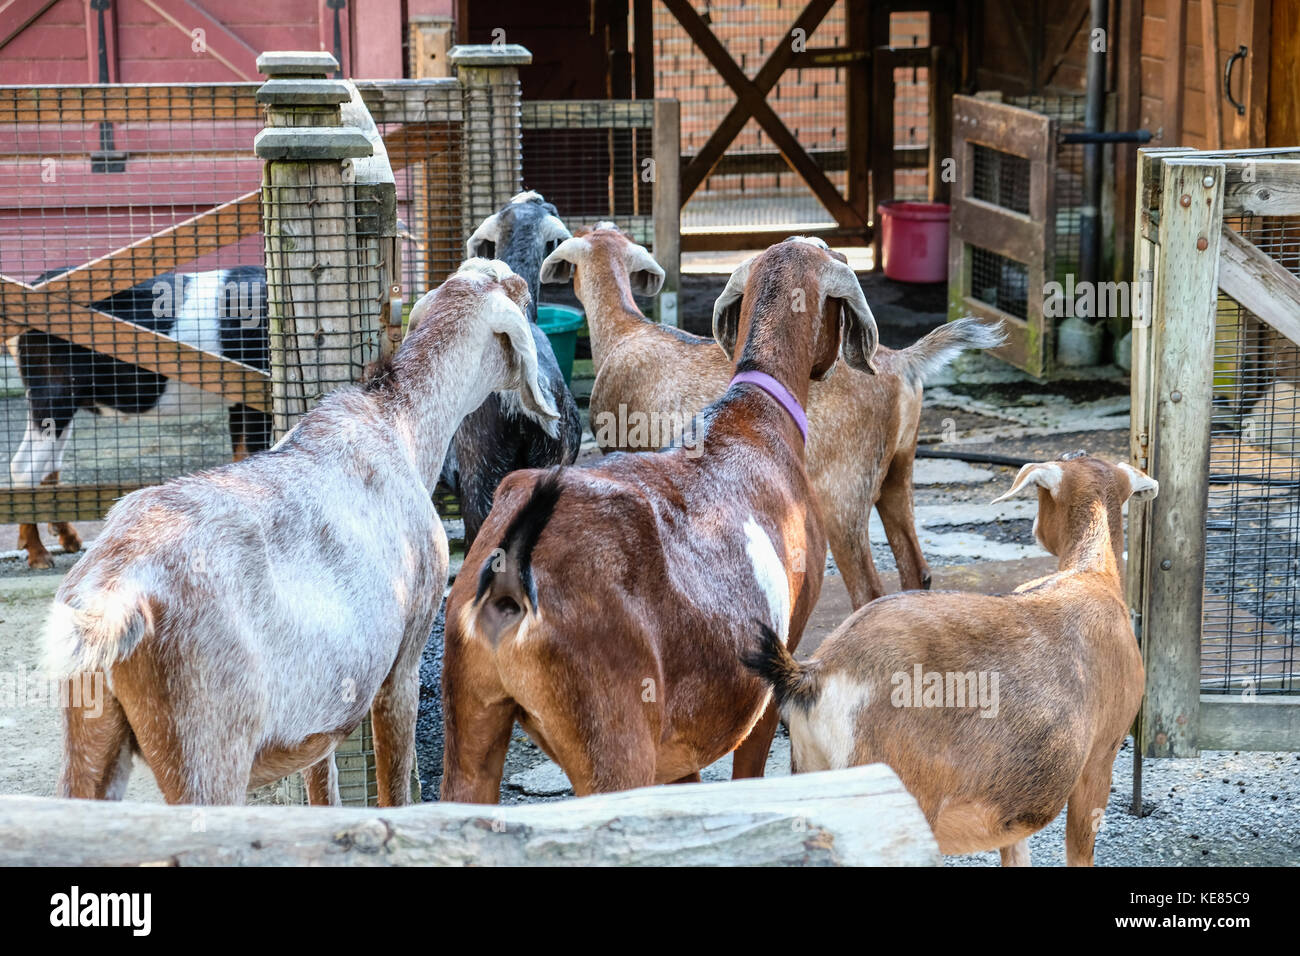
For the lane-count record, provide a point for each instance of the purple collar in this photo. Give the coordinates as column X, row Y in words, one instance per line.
column 779, row 392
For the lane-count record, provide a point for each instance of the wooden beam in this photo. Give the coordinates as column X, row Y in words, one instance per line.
column 862, row 816
column 1259, row 284
column 18, row 15
column 128, row 342
column 1262, row 722
column 731, row 125
column 152, row 103
column 62, row 502
column 1261, row 187
column 730, row 240
column 221, row 43
column 666, row 147
column 162, row 252
column 857, row 107
column 1182, row 388
column 1210, row 74
column 643, row 48
column 752, row 100
column 1128, row 71
column 1054, row 55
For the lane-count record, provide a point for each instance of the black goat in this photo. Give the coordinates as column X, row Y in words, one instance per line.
column 497, row 438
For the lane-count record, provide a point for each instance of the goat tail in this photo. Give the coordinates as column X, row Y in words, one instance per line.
column 793, row 684
column 936, row 350
column 507, row 593
column 96, row 636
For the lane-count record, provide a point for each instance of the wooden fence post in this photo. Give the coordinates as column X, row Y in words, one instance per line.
column 323, row 324
column 666, row 147
column 332, row 271
column 1180, row 350
column 492, row 168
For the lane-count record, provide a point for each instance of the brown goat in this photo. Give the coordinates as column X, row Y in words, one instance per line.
column 605, row 607
column 651, row 381
column 993, row 711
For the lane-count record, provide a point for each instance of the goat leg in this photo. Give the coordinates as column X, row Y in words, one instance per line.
column 1087, row 807
column 897, row 514
column 322, row 780
column 392, row 719
column 1017, row 854
column 750, row 759
column 29, row 539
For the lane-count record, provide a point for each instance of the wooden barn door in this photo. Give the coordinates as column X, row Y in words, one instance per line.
column 1001, row 253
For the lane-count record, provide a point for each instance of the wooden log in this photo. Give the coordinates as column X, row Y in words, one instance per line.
column 857, row 817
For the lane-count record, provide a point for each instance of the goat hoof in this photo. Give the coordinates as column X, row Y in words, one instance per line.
column 41, row 561
column 70, row 541
column 925, row 581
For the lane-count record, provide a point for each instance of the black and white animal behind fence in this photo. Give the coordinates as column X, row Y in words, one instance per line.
column 133, row 297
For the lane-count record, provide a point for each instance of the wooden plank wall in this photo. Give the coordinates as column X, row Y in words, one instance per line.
column 1176, row 73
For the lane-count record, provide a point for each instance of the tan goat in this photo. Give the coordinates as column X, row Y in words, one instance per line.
column 994, row 711
column 652, row 380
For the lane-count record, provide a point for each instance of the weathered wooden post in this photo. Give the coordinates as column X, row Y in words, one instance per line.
column 492, row 168
column 322, row 306
column 666, row 147
column 332, row 271
column 1173, row 369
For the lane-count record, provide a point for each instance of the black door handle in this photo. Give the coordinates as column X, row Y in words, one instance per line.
column 1227, row 79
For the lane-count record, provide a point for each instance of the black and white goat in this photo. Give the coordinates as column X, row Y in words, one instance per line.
column 498, row 438
column 221, row 311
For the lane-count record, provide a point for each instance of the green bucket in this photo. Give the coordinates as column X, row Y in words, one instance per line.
column 561, row 324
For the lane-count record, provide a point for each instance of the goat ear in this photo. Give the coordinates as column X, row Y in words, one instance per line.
column 644, row 275
column 1142, row 487
column 558, row 266
column 858, row 333
column 553, row 231
column 419, row 311
column 726, row 310
column 483, row 244
column 505, row 318
column 1044, row 474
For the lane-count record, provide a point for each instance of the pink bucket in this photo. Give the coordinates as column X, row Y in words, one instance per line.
column 914, row 240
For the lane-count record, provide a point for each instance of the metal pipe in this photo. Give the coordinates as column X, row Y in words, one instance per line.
column 1094, row 120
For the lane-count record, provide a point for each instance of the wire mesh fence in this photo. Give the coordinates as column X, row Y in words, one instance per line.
column 1250, row 629
column 133, row 293
column 1068, row 111
column 593, row 160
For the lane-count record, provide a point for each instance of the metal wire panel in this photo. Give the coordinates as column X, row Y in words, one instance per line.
column 999, row 282
column 136, row 203
column 1069, row 111
column 591, row 159
column 1252, row 539
column 422, row 125
column 1001, row 178
column 752, row 185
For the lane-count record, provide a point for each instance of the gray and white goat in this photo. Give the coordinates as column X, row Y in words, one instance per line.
column 246, row 618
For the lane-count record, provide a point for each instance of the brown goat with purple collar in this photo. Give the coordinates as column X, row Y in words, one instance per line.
column 994, row 711
column 605, row 608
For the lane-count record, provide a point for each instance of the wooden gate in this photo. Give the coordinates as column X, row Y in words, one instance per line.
column 1214, row 559
column 1001, row 248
